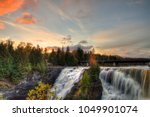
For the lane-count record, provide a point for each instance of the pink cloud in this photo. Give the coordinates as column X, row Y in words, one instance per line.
column 2, row 26
column 26, row 18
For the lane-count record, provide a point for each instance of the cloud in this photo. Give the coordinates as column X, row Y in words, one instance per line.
column 8, row 6
column 72, row 10
column 36, row 35
column 26, row 18
column 72, row 30
column 83, row 42
column 66, row 40
column 125, row 52
column 129, row 34
column 129, row 40
column 2, row 26
column 39, row 40
column 76, row 10
column 72, row 48
column 85, row 48
column 81, row 8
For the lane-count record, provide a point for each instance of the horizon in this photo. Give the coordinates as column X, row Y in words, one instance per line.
column 112, row 28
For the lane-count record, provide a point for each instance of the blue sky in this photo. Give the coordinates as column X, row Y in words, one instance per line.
column 111, row 26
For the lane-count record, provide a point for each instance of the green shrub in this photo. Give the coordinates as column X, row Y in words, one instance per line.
column 94, row 72
column 85, row 85
column 9, row 70
column 41, row 67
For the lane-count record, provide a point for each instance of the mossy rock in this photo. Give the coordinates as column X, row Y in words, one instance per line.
column 89, row 88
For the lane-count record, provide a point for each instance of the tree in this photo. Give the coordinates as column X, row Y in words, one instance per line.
column 92, row 58
column 52, row 57
column 58, row 56
column 62, row 57
column 67, row 55
column 6, row 49
column 36, row 56
column 80, row 55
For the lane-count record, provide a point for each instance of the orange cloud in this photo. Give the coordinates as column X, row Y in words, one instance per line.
column 2, row 26
column 8, row 6
column 26, row 18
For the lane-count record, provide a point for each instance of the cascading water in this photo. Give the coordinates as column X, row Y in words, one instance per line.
column 123, row 83
column 66, row 80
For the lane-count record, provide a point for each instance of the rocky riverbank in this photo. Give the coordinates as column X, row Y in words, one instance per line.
column 20, row 91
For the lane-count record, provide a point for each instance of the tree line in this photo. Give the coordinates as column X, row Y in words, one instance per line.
column 78, row 57
column 68, row 58
column 17, row 62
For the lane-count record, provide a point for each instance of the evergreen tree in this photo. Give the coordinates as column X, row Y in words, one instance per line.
column 62, row 57
column 80, row 55
column 52, row 57
column 58, row 56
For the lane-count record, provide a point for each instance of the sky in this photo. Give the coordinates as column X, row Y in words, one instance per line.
column 112, row 27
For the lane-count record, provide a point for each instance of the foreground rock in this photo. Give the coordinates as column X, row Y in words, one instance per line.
column 20, row 91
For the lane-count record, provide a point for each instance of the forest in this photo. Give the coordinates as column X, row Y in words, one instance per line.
column 17, row 61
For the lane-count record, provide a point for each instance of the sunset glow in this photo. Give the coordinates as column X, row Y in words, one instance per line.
column 118, row 27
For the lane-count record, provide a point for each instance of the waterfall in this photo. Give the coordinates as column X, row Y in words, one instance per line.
column 125, row 83
column 122, row 83
column 66, row 80
column 146, row 83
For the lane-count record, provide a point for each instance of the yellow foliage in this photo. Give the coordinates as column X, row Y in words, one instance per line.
column 39, row 93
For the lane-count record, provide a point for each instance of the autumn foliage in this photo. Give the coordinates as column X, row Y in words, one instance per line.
column 39, row 93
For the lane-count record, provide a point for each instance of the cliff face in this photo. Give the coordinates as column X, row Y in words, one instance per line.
column 20, row 91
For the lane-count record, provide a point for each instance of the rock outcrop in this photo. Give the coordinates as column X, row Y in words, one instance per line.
column 94, row 94
column 20, row 91
column 86, row 89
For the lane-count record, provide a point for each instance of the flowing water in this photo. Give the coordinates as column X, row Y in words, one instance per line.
column 66, row 80
column 125, row 83
column 119, row 83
